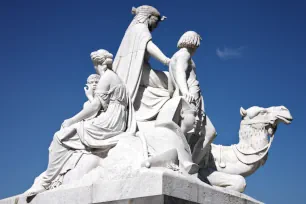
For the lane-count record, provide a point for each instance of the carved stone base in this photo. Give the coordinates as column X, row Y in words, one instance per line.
column 145, row 187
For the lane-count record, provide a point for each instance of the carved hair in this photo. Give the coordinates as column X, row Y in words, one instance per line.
column 190, row 39
column 187, row 108
column 143, row 13
column 146, row 10
column 93, row 77
column 102, row 57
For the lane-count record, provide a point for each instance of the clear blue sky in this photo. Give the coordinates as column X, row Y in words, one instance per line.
column 44, row 60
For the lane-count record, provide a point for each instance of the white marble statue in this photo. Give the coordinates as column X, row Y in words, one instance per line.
column 81, row 161
column 101, row 132
column 175, row 120
column 183, row 74
column 228, row 165
column 148, row 88
column 167, row 110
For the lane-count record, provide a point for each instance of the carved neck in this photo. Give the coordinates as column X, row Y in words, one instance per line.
column 253, row 137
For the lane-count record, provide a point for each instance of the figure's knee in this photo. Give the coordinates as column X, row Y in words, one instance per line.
column 55, row 136
column 210, row 129
column 211, row 133
column 53, row 142
column 239, row 183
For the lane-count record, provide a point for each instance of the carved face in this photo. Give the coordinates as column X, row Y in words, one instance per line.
column 153, row 23
column 272, row 115
column 93, row 83
column 188, row 120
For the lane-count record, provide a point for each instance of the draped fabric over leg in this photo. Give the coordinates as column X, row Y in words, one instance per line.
column 152, row 93
column 59, row 153
column 102, row 132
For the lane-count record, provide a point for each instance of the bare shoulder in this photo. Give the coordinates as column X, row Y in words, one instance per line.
column 105, row 82
column 113, row 77
column 180, row 60
column 182, row 54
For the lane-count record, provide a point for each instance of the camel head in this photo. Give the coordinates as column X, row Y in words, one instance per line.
column 271, row 116
column 257, row 128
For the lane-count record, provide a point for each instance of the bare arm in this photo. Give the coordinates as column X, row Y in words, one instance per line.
column 88, row 110
column 90, row 98
column 86, row 104
column 154, row 51
column 95, row 105
column 181, row 68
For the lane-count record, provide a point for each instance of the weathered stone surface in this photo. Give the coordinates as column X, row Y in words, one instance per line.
column 147, row 186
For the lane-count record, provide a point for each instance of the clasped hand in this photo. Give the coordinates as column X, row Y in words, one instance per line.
column 189, row 97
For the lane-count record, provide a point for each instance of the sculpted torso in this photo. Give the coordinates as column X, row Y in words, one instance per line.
column 183, row 73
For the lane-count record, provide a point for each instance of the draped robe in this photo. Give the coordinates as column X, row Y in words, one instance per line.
column 148, row 88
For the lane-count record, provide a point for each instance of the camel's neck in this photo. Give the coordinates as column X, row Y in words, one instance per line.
column 252, row 137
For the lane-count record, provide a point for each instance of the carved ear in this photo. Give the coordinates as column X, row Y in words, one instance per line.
column 243, row 112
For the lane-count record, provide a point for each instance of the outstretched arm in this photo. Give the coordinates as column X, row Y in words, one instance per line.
column 154, row 51
column 88, row 110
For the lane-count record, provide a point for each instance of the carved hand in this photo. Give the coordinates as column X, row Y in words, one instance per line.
column 88, row 91
column 189, row 97
column 167, row 61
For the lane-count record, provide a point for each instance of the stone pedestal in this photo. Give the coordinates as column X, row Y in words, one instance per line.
column 145, row 187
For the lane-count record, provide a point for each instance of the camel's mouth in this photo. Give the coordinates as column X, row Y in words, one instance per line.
column 286, row 120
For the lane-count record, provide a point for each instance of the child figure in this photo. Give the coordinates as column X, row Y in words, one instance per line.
column 183, row 74
column 92, row 82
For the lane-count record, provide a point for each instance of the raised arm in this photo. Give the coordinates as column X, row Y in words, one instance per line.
column 89, row 92
column 155, row 52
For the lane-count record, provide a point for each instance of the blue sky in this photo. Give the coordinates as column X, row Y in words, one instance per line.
column 252, row 53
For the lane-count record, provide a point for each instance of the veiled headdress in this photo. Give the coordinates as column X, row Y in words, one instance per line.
column 142, row 13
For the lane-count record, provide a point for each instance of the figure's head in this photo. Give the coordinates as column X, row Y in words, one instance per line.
column 177, row 110
column 93, row 81
column 190, row 40
column 149, row 15
column 188, row 117
column 102, row 60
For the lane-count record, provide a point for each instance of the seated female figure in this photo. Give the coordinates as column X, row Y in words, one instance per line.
column 112, row 100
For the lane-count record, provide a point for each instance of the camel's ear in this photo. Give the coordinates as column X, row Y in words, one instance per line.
column 243, row 112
